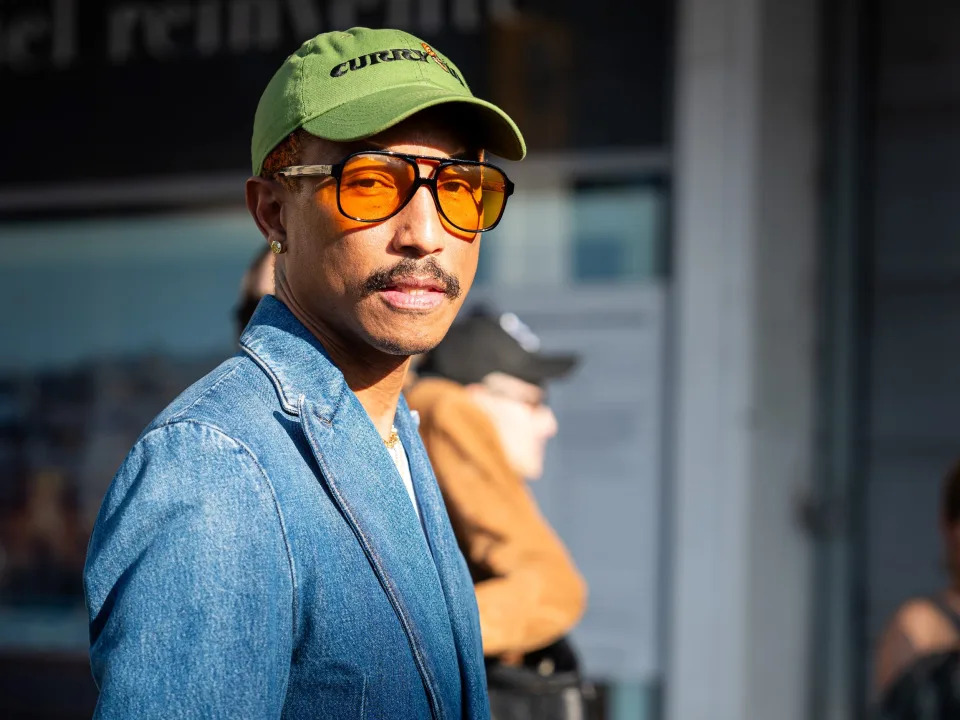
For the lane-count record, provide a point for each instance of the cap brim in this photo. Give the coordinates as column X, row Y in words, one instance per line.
column 364, row 117
column 551, row 367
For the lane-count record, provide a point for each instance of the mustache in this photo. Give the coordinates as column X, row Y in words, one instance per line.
column 410, row 268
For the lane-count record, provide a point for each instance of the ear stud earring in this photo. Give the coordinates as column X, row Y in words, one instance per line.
column 276, row 247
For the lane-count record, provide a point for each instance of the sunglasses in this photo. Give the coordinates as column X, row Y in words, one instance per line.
column 374, row 185
column 533, row 400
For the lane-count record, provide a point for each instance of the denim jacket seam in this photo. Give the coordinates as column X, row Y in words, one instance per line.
column 276, row 505
column 363, row 697
column 392, row 594
column 274, row 378
column 203, row 395
column 339, row 401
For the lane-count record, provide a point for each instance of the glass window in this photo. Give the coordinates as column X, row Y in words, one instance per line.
column 106, row 321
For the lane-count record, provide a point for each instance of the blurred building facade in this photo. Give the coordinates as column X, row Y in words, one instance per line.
column 738, row 211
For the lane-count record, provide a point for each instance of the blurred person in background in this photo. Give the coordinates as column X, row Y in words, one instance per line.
column 275, row 543
column 257, row 282
column 41, row 540
column 927, row 625
column 485, row 423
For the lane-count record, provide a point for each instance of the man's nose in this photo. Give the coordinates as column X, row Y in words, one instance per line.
column 550, row 425
column 420, row 230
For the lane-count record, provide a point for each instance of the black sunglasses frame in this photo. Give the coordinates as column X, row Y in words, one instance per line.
column 336, row 171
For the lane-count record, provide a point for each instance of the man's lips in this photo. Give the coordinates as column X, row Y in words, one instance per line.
column 413, row 284
column 414, row 294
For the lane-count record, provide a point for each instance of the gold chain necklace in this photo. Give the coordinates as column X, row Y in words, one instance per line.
column 393, row 439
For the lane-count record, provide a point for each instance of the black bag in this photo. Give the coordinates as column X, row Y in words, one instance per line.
column 928, row 690
column 547, row 686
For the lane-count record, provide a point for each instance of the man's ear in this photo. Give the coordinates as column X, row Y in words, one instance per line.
column 265, row 203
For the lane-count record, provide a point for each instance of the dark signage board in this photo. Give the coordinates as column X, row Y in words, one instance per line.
column 147, row 89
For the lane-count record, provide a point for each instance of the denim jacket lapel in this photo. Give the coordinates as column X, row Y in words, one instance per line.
column 365, row 485
column 454, row 575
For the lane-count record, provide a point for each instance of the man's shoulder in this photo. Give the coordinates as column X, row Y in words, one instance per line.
column 214, row 421
column 231, row 396
column 192, row 477
column 202, row 445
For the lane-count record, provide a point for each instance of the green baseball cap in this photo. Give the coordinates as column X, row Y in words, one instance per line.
column 345, row 86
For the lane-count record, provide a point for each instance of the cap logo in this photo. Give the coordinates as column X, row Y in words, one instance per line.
column 436, row 58
column 382, row 56
column 520, row 331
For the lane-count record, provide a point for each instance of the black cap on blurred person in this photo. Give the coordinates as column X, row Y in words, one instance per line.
column 484, row 343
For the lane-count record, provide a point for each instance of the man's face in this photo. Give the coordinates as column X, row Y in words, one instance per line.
column 523, row 420
column 394, row 285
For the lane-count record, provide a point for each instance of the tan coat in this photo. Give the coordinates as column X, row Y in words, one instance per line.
column 528, row 590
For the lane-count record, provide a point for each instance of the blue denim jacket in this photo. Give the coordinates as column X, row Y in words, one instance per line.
column 257, row 556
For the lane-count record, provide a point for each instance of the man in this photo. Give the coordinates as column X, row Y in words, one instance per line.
column 275, row 545
column 485, row 423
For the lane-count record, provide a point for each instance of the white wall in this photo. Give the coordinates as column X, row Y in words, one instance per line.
column 746, row 216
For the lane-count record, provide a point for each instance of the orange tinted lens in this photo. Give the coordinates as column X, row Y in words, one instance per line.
column 471, row 196
column 372, row 186
column 494, row 196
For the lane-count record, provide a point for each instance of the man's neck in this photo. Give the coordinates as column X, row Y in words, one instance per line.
column 376, row 385
column 375, row 377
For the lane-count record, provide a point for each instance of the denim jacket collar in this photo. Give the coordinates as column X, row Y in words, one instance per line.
column 293, row 359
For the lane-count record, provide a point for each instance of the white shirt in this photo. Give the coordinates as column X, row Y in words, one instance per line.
column 399, row 456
